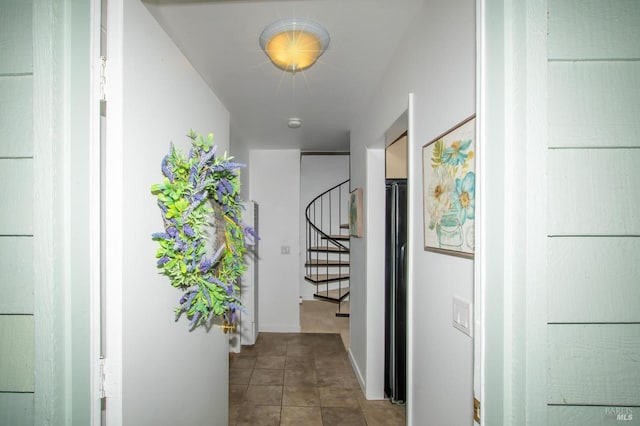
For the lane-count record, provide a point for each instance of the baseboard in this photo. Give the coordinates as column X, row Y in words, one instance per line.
column 279, row 328
column 357, row 371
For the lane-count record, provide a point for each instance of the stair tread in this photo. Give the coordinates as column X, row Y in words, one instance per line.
column 341, row 237
column 335, row 295
column 321, row 278
column 331, row 249
column 325, row 262
column 344, row 309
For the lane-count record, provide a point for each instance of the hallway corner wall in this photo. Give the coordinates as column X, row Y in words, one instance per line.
column 436, row 62
column 170, row 375
column 275, row 186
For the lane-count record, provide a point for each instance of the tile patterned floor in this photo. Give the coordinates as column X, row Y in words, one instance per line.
column 320, row 317
column 301, row 379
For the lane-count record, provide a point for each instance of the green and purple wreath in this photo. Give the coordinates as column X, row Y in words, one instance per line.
column 203, row 245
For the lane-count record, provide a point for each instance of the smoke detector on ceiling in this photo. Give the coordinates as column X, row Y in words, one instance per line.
column 294, row 123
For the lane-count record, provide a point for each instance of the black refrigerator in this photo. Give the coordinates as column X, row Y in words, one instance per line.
column 395, row 360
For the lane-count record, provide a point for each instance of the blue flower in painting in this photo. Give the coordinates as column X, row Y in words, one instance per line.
column 464, row 197
column 455, row 155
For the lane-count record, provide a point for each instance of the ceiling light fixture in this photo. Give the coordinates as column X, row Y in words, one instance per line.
column 294, row 44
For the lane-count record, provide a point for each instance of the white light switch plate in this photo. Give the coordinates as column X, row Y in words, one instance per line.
column 462, row 317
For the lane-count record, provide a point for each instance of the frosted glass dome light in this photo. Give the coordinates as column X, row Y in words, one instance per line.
column 294, row 45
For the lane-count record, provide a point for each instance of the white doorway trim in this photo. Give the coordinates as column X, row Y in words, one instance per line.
column 412, row 242
column 94, row 216
column 479, row 265
column 113, row 214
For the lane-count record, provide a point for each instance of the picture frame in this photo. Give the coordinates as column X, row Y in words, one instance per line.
column 355, row 213
column 448, row 174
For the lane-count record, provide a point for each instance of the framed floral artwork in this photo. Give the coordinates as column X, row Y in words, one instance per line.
column 355, row 213
column 449, row 186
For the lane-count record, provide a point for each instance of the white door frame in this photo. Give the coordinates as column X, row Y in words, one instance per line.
column 478, row 277
column 114, row 211
column 109, row 376
column 94, row 214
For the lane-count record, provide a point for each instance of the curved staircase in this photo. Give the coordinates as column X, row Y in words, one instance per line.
column 327, row 246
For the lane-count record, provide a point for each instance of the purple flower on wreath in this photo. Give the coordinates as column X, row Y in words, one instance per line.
column 194, row 321
column 205, row 265
column 162, row 260
column 207, row 296
column 160, row 236
column 217, row 254
column 228, row 166
column 199, row 197
column 163, row 207
column 187, row 298
column 207, row 156
column 193, row 172
column 188, row 230
column 250, row 231
column 214, row 280
column 165, row 168
column 187, row 212
column 227, row 186
column 180, row 245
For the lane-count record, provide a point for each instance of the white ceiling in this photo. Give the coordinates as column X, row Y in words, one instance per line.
column 220, row 39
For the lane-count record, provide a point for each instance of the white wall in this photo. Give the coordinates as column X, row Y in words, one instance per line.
column 436, row 62
column 239, row 149
column 275, row 186
column 170, row 375
column 317, row 174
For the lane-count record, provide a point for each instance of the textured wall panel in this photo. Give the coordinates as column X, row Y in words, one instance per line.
column 594, row 29
column 16, row 353
column 594, row 192
column 16, row 275
column 594, row 104
column 16, row 409
column 594, row 279
column 16, row 193
column 16, row 116
column 594, row 364
column 593, row 416
column 16, row 37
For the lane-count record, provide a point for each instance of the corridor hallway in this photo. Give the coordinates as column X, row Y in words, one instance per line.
column 303, row 379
